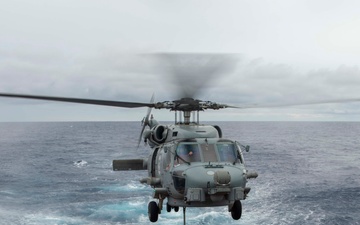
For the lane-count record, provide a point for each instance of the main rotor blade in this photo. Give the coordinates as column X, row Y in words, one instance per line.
column 81, row 100
column 191, row 73
column 295, row 104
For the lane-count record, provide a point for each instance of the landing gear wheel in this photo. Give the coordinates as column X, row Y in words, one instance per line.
column 176, row 208
column 236, row 210
column 168, row 207
column 153, row 211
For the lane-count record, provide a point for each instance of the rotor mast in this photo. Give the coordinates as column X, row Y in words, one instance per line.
column 187, row 117
column 187, row 106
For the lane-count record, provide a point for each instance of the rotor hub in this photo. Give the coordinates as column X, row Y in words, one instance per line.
column 188, row 104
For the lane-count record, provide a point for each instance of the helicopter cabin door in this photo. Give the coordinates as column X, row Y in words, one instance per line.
column 153, row 163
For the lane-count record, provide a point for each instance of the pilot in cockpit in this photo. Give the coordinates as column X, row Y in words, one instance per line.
column 188, row 152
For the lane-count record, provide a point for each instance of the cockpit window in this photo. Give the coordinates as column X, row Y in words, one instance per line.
column 187, row 153
column 206, row 152
column 209, row 153
column 227, row 152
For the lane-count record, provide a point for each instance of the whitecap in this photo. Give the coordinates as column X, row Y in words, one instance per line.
column 7, row 192
column 46, row 218
column 80, row 163
column 130, row 187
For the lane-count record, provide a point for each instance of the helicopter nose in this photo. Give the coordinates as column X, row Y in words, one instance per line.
column 202, row 177
column 214, row 183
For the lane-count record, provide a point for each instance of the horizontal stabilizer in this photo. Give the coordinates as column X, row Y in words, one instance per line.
column 129, row 164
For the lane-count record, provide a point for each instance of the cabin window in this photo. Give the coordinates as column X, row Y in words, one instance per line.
column 227, row 152
column 187, row 153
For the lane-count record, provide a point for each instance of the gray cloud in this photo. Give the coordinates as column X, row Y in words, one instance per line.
column 288, row 51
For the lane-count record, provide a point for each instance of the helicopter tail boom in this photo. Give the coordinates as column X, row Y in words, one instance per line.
column 130, row 164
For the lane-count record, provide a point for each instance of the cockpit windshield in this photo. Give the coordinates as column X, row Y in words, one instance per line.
column 227, row 152
column 187, row 153
column 206, row 152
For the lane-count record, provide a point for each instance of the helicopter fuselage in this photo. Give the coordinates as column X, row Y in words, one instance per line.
column 199, row 172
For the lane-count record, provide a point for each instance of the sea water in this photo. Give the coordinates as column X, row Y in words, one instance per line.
column 61, row 173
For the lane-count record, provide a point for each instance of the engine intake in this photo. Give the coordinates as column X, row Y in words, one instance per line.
column 159, row 133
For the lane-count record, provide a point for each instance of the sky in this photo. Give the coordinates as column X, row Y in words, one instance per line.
column 282, row 52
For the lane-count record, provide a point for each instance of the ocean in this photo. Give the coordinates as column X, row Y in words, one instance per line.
column 61, row 173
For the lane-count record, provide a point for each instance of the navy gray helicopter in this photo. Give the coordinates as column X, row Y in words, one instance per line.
column 190, row 164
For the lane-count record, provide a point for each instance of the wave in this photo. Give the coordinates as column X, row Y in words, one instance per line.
column 133, row 186
column 80, row 163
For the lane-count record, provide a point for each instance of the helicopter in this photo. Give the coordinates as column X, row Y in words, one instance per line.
column 190, row 164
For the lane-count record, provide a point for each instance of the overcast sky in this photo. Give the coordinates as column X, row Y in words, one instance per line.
column 286, row 52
